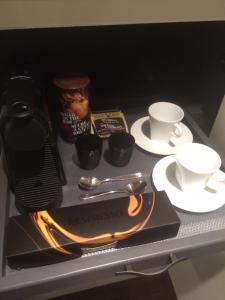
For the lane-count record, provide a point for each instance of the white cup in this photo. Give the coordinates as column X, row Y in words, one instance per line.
column 165, row 118
column 197, row 168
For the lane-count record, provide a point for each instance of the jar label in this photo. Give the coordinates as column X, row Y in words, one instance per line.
column 75, row 113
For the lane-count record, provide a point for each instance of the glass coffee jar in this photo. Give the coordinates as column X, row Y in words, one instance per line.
column 74, row 109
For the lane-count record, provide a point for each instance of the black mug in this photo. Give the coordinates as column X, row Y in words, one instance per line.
column 121, row 146
column 89, row 150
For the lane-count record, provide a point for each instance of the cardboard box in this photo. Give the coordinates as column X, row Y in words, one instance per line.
column 46, row 237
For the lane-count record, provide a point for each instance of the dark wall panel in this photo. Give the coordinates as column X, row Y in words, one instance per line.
column 129, row 64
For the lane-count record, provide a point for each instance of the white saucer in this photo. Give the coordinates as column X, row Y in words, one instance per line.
column 203, row 201
column 140, row 131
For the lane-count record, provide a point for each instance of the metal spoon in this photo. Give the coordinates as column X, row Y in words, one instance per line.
column 90, row 183
column 135, row 187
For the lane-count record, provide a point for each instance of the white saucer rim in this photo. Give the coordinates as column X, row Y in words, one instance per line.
column 170, row 150
column 168, row 160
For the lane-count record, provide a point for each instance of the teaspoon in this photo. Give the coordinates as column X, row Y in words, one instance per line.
column 134, row 188
column 90, row 183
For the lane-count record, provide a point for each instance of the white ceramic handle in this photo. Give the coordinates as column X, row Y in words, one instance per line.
column 177, row 130
column 216, row 181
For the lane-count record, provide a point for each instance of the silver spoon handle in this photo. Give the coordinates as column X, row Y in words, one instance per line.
column 123, row 177
column 92, row 196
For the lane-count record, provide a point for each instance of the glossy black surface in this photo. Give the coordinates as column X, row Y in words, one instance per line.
column 127, row 221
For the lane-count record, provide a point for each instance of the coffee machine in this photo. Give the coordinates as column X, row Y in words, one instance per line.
column 30, row 154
